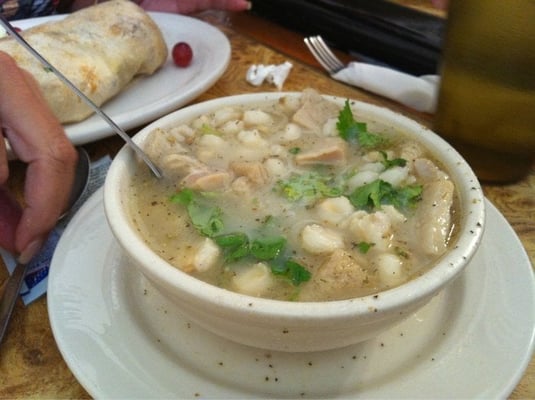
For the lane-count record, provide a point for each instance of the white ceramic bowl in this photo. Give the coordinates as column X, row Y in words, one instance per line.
column 297, row 326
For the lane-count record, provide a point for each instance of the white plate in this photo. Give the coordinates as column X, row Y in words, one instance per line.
column 149, row 97
column 121, row 339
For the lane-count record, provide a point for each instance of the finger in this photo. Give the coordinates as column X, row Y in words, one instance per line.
column 231, row 5
column 38, row 139
column 192, row 6
column 442, row 4
column 46, row 193
column 49, row 178
column 26, row 120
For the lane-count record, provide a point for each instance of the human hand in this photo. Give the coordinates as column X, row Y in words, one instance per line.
column 192, row 6
column 442, row 4
column 38, row 139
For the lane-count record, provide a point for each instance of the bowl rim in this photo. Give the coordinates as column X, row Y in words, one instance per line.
column 413, row 291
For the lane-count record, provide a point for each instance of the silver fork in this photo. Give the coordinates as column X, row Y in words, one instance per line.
column 415, row 92
column 323, row 54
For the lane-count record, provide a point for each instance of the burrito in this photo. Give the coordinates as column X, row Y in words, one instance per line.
column 100, row 49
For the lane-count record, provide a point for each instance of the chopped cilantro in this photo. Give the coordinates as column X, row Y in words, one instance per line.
column 309, row 186
column 354, row 131
column 379, row 192
column 207, row 219
column 267, row 248
column 292, row 270
column 407, row 196
column 183, row 197
column 235, row 246
column 396, row 162
column 370, row 195
column 209, row 130
column 294, row 150
column 364, row 247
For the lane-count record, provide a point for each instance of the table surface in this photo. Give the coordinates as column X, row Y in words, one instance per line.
column 30, row 362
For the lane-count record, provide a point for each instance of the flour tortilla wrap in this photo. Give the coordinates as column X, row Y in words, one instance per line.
column 100, row 49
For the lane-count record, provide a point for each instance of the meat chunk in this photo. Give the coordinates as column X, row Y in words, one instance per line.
column 410, row 151
column 180, row 165
column 242, row 187
column 339, row 277
column 427, row 170
column 208, row 181
column 252, row 170
column 315, row 111
column 434, row 214
column 331, row 151
column 161, row 143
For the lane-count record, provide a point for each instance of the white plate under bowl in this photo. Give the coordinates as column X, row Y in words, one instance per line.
column 147, row 98
column 121, row 339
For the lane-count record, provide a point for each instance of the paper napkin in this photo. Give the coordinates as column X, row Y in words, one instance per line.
column 418, row 93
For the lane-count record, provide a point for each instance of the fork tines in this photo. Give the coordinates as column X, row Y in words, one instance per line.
column 323, row 54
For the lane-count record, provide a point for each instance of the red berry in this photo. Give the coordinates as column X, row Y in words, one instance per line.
column 182, row 54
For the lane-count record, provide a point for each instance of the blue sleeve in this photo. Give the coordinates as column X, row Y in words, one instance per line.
column 19, row 9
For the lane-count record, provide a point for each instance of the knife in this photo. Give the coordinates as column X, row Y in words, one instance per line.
column 12, row 214
column 12, row 31
column 11, row 292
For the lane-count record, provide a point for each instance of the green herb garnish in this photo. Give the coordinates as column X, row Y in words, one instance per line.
column 396, row 162
column 294, row 150
column 207, row 219
column 309, row 186
column 364, row 247
column 238, row 245
column 354, row 131
column 209, row 130
column 291, row 270
column 267, row 247
column 235, row 246
column 379, row 192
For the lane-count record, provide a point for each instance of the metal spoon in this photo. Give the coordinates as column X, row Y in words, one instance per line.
column 11, row 30
column 14, row 282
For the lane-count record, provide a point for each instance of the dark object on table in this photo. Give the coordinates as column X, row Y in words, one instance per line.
column 375, row 30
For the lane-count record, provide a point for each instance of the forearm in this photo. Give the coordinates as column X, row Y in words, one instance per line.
column 176, row 6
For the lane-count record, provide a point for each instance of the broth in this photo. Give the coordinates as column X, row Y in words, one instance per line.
column 294, row 200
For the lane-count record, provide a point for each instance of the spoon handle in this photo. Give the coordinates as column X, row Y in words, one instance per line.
column 9, row 297
column 7, row 25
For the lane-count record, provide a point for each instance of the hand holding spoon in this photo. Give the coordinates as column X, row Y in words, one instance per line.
column 14, row 282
